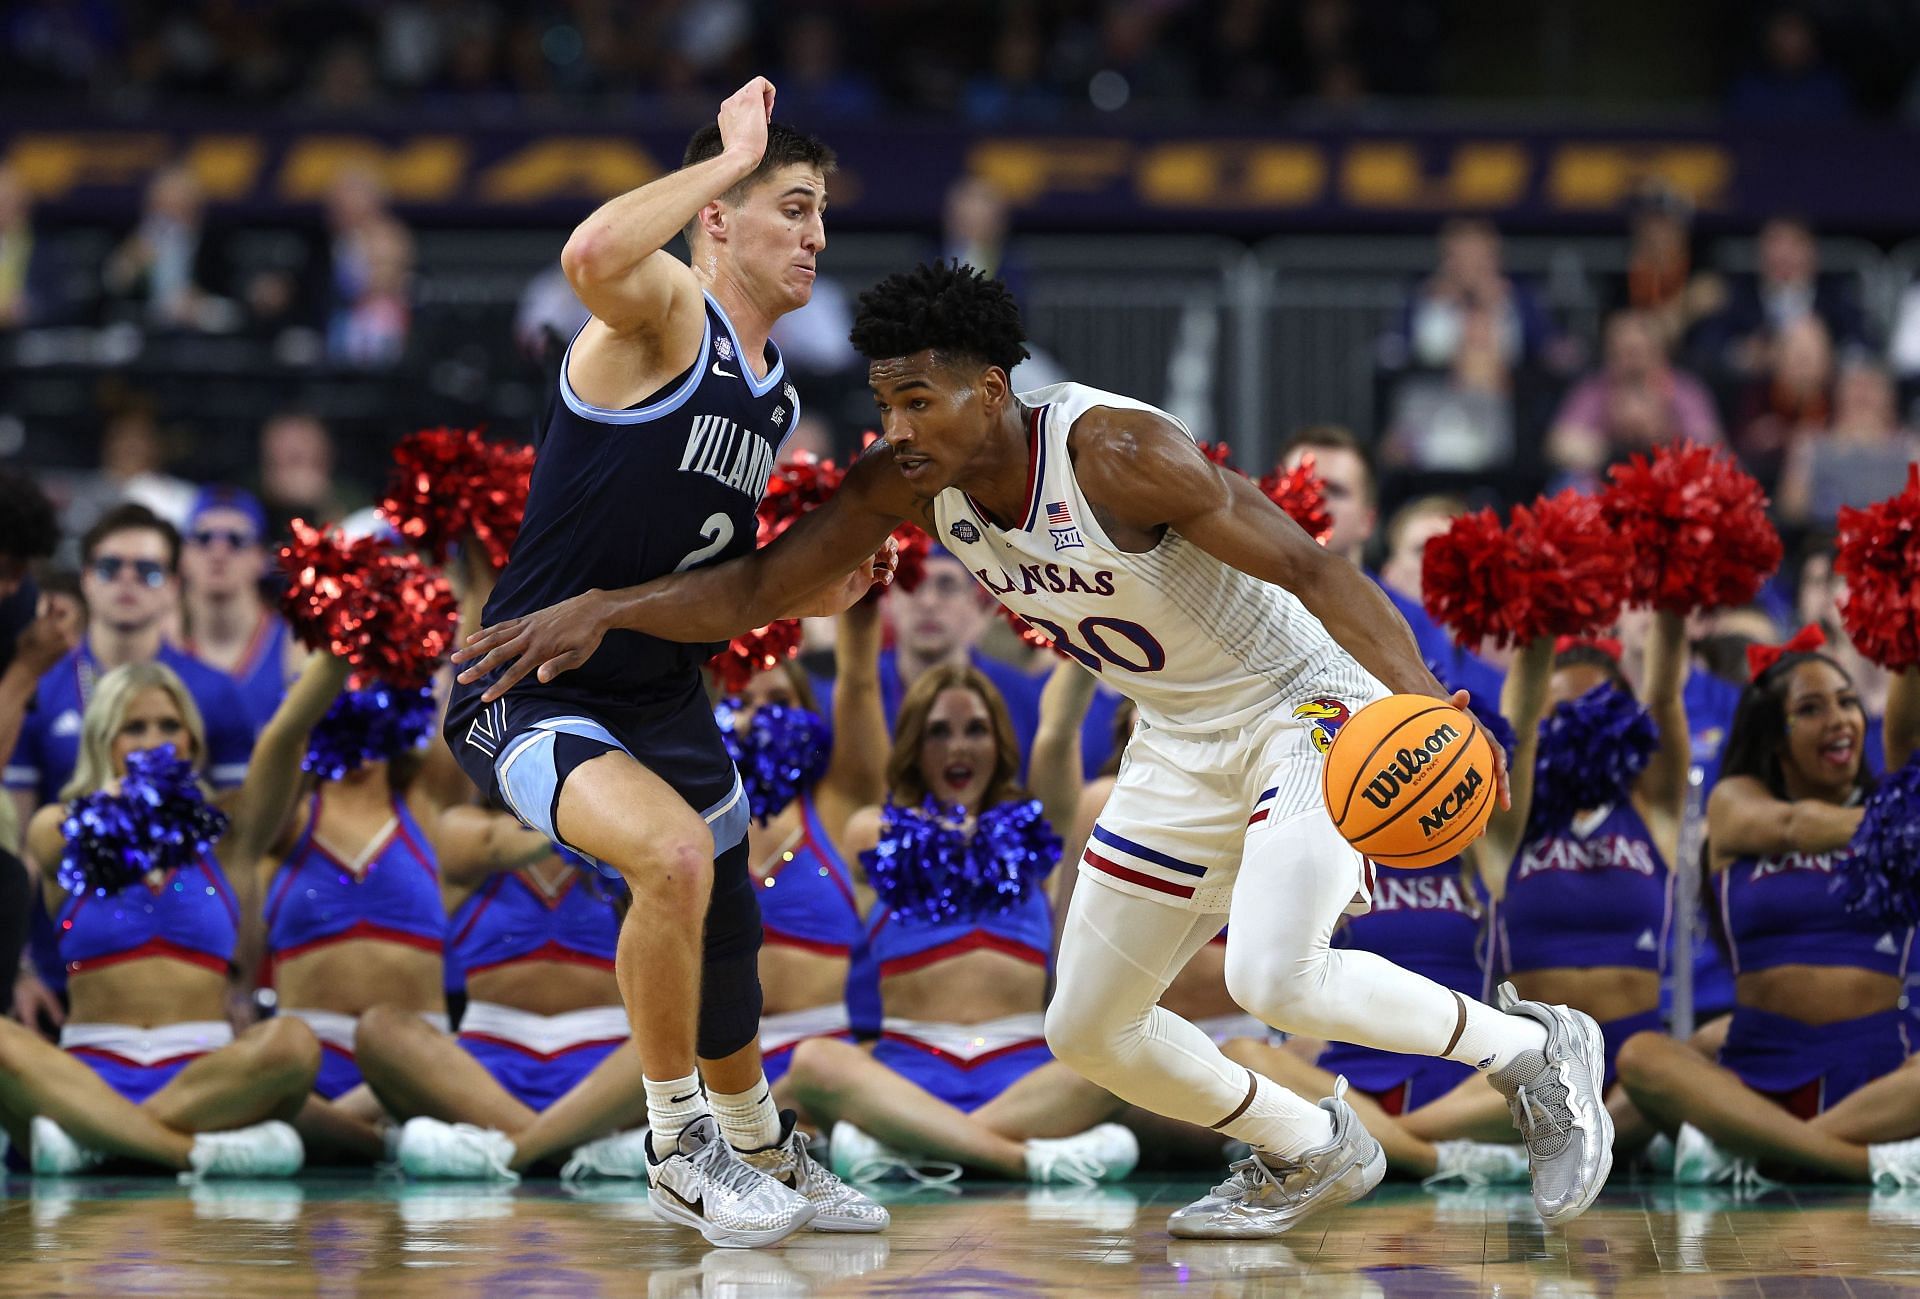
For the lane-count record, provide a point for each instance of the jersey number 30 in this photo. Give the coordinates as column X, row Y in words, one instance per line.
column 1100, row 651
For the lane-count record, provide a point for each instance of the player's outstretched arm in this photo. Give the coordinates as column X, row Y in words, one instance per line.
column 826, row 559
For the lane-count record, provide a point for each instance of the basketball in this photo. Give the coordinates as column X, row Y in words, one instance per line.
column 1409, row 781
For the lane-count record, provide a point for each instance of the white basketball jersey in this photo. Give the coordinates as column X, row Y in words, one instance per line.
column 1197, row 644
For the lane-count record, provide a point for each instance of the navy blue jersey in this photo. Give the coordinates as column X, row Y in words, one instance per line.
column 620, row 497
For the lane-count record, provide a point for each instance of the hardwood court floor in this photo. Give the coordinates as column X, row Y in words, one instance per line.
column 339, row 1237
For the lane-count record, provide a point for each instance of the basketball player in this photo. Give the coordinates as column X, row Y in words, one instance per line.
column 1243, row 644
column 671, row 408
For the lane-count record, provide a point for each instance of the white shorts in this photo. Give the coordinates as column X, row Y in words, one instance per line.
column 1186, row 807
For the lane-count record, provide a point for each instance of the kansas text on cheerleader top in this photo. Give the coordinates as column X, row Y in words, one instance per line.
column 807, row 899
column 189, row 914
column 513, row 918
column 1430, row 921
column 1791, row 910
column 1595, row 893
column 393, row 894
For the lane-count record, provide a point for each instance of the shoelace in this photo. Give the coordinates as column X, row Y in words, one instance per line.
column 810, row 1173
column 1074, row 1169
column 496, row 1162
column 584, row 1163
column 1530, row 1115
column 1244, row 1177
column 926, row 1172
column 722, row 1167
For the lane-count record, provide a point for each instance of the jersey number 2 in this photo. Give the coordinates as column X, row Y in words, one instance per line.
column 1102, row 652
column 718, row 530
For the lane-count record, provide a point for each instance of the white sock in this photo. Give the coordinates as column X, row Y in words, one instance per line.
column 1277, row 1121
column 672, row 1105
column 1489, row 1039
column 747, row 1119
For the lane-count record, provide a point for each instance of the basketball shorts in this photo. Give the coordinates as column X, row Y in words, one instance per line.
column 1809, row 1068
column 520, row 749
column 540, row 1058
column 965, row 1065
column 780, row 1034
column 137, row 1062
column 339, row 1072
column 1175, row 828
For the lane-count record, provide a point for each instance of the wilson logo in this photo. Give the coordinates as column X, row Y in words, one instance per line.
column 1403, row 769
column 1449, row 807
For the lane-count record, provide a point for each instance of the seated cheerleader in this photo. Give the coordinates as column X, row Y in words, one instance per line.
column 962, row 934
column 1810, row 1077
column 149, row 1069
column 352, row 902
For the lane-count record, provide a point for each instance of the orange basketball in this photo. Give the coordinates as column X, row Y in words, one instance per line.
column 1409, row 781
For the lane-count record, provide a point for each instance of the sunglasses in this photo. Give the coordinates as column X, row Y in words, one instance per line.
column 235, row 538
column 151, row 572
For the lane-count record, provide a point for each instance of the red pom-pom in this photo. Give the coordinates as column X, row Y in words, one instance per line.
column 754, row 651
column 1695, row 527
column 1220, row 453
column 1878, row 553
column 1554, row 571
column 914, row 547
column 381, row 609
column 449, row 482
column 1303, row 495
column 803, row 483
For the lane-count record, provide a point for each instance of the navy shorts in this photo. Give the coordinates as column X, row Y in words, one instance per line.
column 520, row 749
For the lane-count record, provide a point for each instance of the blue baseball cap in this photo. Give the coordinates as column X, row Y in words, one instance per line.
column 219, row 496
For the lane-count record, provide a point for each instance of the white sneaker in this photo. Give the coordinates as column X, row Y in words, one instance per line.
column 1479, row 1163
column 54, row 1153
column 1697, row 1161
column 1895, row 1163
column 270, row 1149
column 837, row 1206
column 1106, row 1153
column 860, row 1158
column 1658, row 1155
column 703, row 1184
column 618, row 1154
column 434, row 1151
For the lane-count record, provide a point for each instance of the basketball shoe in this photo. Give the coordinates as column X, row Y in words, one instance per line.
column 703, row 1184
column 270, row 1149
column 1554, row 1095
column 1264, row 1195
column 1106, row 1152
column 837, row 1206
column 1477, row 1163
column 432, row 1150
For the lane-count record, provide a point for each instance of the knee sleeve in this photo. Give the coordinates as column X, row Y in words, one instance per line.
column 730, row 971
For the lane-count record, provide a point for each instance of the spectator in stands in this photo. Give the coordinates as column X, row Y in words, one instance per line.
column 1412, row 526
column 1792, row 84
column 1661, row 280
column 133, row 457
column 1788, row 288
column 1460, row 421
column 371, row 321
column 975, row 222
column 1346, row 475
column 1858, row 460
column 1634, row 402
column 297, row 475
column 1469, row 279
column 130, row 577
column 29, row 287
column 228, row 625
column 1791, row 400
column 168, row 272
column 816, row 82
column 1903, row 352
column 1014, row 88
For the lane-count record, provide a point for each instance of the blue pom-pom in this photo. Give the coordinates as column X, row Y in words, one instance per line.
column 1884, row 877
column 370, row 725
column 927, row 870
column 157, row 821
column 783, row 751
column 1592, row 749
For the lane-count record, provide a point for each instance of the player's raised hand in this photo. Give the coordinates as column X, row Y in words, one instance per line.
column 849, row 590
column 1501, row 788
column 744, row 117
column 555, row 639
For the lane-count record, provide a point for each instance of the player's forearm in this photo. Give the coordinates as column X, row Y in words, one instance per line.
column 1358, row 615
column 625, row 231
column 708, row 604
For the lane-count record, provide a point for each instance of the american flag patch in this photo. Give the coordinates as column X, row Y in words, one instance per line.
column 1057, row 514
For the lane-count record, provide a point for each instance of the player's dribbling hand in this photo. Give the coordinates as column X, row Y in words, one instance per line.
column 849, row 590
column 555, row 639
column 1502, row 790
column 744, row 117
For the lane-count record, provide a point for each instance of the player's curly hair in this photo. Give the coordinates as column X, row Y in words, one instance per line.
column 29, row 528
column 944, row 306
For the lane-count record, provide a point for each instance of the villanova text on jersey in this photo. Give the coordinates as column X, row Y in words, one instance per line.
column 620, row 497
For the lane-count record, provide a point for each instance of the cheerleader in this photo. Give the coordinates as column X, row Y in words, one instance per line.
column 1810, row 1075
column 149, row 1069
column 961, row 933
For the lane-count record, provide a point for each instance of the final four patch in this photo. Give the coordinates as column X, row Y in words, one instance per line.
column 964, row 531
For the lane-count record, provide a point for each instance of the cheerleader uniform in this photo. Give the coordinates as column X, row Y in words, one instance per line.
column 1786, row 910
column 316, row 900
column 1597, row 893
column 807, row 902
column 512, row 919
column 190, row 916
column 1431, row 921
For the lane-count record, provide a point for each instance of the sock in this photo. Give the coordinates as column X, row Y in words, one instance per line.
column 1489, row 1039
column 672, row 1105
column 1275, row 1121
column 747, row 1119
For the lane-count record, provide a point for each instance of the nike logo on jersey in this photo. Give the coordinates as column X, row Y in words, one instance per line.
column 724, row 374
column 728, row 454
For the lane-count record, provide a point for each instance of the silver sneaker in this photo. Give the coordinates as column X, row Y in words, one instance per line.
column 837, row 1206
column 1555, row 1097
column 1265, row 1196
column 703, row 1184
